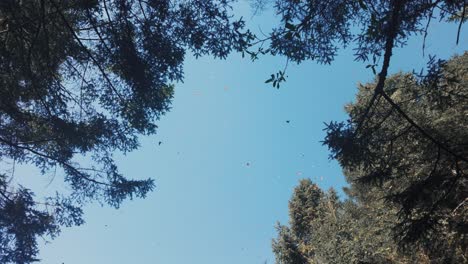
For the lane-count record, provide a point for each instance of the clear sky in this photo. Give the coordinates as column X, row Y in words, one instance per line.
column 229, row 159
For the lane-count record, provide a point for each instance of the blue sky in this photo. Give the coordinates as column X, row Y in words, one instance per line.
column 229, row 160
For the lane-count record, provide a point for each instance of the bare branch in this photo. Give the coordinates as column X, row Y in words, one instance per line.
column 61, row 162
column 104, row 74
column 420, row 129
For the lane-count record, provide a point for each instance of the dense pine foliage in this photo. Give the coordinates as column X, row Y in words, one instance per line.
column 406, row 200
column 80, row 80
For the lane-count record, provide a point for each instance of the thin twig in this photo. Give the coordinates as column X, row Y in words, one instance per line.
column 90, row 55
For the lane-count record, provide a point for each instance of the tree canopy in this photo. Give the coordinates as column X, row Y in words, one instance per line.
column 427, row 183
column 316, row 30
column 406, row 200
column 80, row 80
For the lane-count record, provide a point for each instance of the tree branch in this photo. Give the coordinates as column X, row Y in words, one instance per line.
column 394, row 25
column 61, row 162
column 461, row 22
column 420, row 129
column 75, row 36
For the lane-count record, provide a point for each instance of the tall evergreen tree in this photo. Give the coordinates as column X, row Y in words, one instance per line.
column 404, row 205
column 292, row 245
column 82, row 79
column 426, row 182
column 315, row 30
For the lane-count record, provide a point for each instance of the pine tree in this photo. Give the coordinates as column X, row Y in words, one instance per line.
column 426, row 183
column 403, row 205
column 80, row 80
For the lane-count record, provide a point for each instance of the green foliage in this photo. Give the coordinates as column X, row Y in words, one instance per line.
column 286, row 247
column 317, row 29
column 407, row 197
column 277, row 79
column 303, row 207
column 427, row 183
column 82, row 79
column 406, row 136
column 351, row 231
